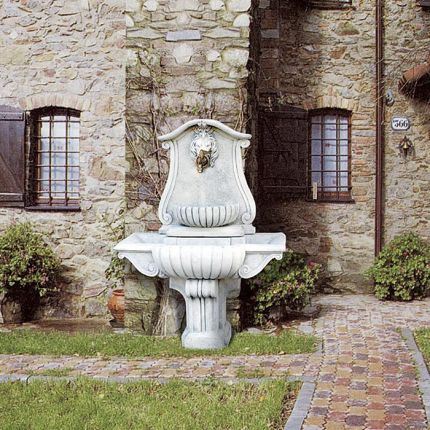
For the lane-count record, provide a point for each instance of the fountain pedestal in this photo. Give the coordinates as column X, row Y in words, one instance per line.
column 207, row 241
column 207, row 326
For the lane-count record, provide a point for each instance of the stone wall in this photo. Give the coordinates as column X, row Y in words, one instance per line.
column 163, row 62
column 186, row 59
column 407, row 181
column 70, row 54
column 325, row 58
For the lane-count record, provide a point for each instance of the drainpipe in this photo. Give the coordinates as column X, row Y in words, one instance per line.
column 380, row 137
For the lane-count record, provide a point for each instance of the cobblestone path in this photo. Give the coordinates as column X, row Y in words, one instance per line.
column 365, row 374
column 367, row 378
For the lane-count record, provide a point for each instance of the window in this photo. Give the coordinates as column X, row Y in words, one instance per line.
column 55, row 158
column 330, row 4
column 330, row 155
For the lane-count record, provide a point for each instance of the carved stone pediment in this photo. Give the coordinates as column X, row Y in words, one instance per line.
column 206, row 171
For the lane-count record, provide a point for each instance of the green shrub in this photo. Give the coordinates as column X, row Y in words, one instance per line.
column 28, row 266
column 402, row 269
column 282, row 285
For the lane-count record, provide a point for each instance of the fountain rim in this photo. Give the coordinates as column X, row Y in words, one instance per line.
column 211, row 122
column 250, row 247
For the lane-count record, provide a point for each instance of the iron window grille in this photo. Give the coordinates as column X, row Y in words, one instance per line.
column 56, row 158
column 330, row 155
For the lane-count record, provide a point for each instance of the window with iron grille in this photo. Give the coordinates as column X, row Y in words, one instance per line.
column 330, row 155
column 55, row 158
column 330, row 4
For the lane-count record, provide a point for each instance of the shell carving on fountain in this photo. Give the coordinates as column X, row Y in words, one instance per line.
column 199, row 261
column 207, row 241
column 209, row 216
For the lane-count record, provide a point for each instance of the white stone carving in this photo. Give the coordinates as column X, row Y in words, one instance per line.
column 204, row 148
column 223, row 184
column 199, row 261
column 164, row 216
column 207, row 240
column 211, row 216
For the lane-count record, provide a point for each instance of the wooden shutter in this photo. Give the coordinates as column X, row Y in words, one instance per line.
column 12, row 166
column 283, row 153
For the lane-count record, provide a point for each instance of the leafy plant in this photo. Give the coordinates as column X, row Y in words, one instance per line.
column 28, row 266
column 116, row 232
column 284, row 284
column 402, row 269
column 115, row 272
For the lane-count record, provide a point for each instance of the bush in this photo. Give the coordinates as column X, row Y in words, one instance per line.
column 402, row 269
column 28, row 267
column 282, row 285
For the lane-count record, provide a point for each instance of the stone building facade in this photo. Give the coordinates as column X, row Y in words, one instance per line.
column 316, row 58
column 137, row 69
column 69, row 54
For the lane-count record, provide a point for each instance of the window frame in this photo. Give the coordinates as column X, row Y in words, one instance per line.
column 330, row 196
column 330, row 4
column 51, row 204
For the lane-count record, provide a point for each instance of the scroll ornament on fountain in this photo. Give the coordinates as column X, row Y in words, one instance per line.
column 207, row 242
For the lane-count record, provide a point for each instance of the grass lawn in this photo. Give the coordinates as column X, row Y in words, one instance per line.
column 92, row 405
column 422, row 337
column 129, row 345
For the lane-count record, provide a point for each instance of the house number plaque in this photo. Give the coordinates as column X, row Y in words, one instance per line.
column 399, row 123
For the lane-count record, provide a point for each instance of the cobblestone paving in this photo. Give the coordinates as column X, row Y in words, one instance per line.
column 192, row 368
column 365, row 375
column 367, row 379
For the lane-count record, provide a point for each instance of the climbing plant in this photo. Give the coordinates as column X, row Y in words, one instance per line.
column 115, row 228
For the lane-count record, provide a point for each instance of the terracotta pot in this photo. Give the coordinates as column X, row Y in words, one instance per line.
column 116, row 305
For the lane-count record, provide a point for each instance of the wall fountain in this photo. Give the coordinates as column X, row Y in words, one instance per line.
column 207, row 241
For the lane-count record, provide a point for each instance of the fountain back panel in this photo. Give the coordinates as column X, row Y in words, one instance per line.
column 207, row 241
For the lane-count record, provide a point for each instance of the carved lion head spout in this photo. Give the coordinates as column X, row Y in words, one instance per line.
column 204, row 148
column 203, row 160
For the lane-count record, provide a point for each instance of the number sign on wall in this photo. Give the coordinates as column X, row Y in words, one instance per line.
column 400, row 123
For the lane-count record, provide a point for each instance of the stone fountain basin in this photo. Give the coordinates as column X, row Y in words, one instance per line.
column 207, row 216
column 199, row 261
column 154, row 254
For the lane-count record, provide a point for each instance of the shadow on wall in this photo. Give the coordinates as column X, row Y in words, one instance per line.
column 291, row 60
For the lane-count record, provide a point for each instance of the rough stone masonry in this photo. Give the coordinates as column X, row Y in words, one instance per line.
column 70, row 54
column 313, row 58
column 138, row 69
